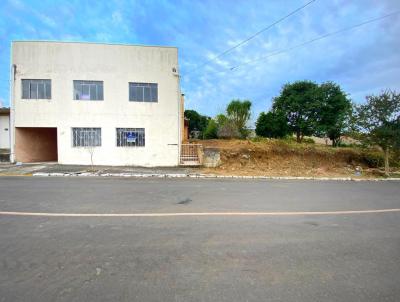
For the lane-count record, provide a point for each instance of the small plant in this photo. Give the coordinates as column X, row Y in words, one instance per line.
column 308, row 140
column 259, row 139
column 90, row 149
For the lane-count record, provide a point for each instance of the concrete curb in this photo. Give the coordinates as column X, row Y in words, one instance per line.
column 213, row 176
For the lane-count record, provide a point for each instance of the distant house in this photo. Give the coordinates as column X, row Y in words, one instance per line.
column 4, row 134
column 4, row 128
column 115, row 104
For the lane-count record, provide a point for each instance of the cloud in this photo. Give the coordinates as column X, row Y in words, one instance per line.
column 347, row 58
column 45, row 19
column 17, row 4
column 362, row 61
column 116, row 17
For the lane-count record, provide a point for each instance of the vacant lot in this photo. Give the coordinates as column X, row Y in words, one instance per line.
column 324, row 257
column 287, row 158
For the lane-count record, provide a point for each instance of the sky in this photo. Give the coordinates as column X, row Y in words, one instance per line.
column 362, row 61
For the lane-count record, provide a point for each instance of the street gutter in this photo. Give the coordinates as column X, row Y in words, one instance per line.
column 208, row 176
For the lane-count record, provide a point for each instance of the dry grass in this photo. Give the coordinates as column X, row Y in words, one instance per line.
column 271, row 157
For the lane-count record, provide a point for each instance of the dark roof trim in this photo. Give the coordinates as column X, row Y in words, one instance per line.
column 4, row 110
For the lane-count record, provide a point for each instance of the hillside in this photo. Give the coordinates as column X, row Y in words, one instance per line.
column 272, row 157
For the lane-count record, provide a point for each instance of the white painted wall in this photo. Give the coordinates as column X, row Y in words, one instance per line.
column 4, row 131
column 116, row 66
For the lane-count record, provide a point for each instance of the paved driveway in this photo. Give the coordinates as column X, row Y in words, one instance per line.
column 324, row 257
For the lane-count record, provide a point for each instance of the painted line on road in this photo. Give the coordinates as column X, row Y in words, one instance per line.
column 4, row 213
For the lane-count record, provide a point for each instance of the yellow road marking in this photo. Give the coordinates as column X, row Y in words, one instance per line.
column 15, row 174
column 4, row 213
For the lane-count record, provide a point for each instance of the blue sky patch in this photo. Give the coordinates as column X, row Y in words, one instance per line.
column 363, row 61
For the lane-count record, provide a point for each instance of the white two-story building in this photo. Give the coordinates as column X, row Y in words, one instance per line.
column 78, row 103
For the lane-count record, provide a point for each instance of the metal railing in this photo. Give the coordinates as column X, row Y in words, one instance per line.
column 190, row 154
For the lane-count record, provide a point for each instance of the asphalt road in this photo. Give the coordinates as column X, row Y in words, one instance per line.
column 351, row 257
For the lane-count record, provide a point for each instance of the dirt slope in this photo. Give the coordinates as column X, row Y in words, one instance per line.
column 286, row 158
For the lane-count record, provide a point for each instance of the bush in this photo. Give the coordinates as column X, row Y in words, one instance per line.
column 211, row 130
column 373, row 159
column 308, row 140
column 272, row 124
column 347, row 145
column 396, row 158
column 228, row 130
column 259, row 139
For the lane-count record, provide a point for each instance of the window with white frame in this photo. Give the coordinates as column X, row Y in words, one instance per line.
column 88, row 90
column 130, row 137
column 36, row 89
column 143, row 92
column 86, row 137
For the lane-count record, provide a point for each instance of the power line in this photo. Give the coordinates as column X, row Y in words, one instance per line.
column 251, row 37
column 306, row 42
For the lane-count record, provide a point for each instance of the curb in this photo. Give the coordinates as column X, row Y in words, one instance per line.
column 212, row 176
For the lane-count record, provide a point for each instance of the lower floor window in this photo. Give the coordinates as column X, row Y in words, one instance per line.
column 86, row 137
column 130, row 137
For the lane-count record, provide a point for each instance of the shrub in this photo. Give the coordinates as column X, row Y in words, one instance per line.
column 228, row 130
column 259, row 139
column 272, row 124
column 211, row 130
column 373, row 159
column 308, row 140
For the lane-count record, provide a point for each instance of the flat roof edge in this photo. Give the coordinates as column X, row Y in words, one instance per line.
column 96, row 43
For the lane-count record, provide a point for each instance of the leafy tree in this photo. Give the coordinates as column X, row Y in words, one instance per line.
column 239, row 113
column 221, row 119
column 334, row 111
column 197, row 122
column 299, row 102
column 379, row 120
column 211, row 130
column 272, row 124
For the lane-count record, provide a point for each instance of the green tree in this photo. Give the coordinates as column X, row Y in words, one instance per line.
column 379, row 121
column 334, row 112
column 221, row 119
column 211, row 130
column 272, row 124
column 299, row 103
column 197, row 122
column 239, row 113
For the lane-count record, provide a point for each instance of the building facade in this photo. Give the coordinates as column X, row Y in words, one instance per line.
column 101, row 104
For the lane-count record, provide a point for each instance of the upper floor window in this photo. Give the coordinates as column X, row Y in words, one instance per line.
column 36, row 89
column 143, row 92
column 88, row 90
column 86, row 137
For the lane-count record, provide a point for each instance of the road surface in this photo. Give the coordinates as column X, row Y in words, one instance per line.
column 321, row 247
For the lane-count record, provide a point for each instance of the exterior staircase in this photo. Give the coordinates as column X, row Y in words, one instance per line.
column 190, row 155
